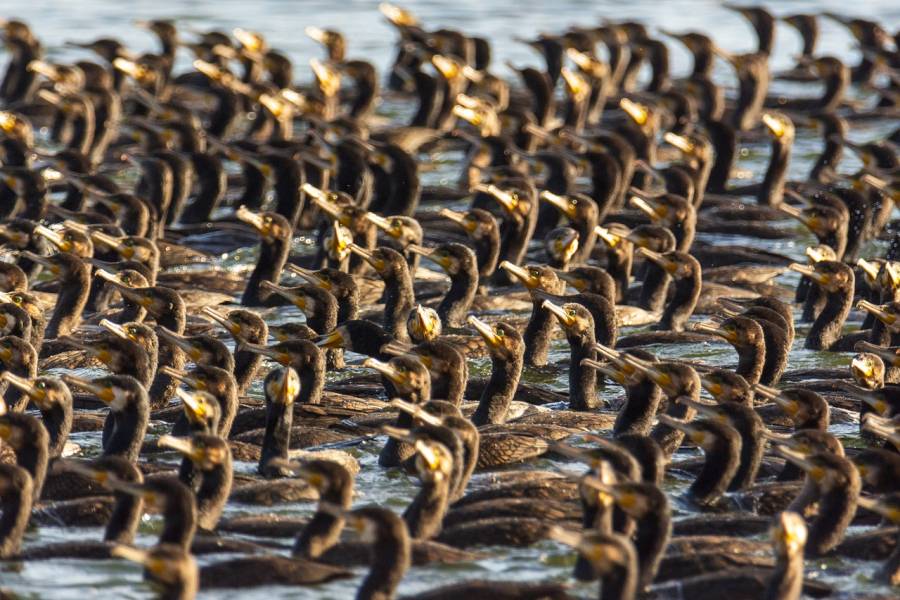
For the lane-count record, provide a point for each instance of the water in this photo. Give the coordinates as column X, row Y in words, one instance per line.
column 369, row 37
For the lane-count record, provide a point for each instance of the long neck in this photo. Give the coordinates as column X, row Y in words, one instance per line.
column 786, row 581
column 654, row 530
column 213, row 494
column 425, row 513
column 751, row 359
column 752, row 94
column 582, row 380
column 33, row 458
column 836, row 510
column 669, row 438
column 641, row 401
column 681, row 307
column 776, row 350
column 823, row 170
column 538, row 335
column 58, row 421
column 124, row 519
column 272, row 256
column 826, row 329
column 390, row 559
column 70, row 303
column 454, row 308
column 772, row 190
column 179, row 522
column 654, row 288
column 16, row 510
column 753, row 447
column 499, row 392
column 127, row 431
column 312, row 378
column 277, row 438
column 620, row 583
column 399, row 299
column 163, row 385
column 324, row 529
column 718, row 470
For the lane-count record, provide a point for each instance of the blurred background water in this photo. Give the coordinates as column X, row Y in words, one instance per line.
column 369, row 37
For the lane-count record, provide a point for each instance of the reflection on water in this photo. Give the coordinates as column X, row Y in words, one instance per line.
column 283, row 22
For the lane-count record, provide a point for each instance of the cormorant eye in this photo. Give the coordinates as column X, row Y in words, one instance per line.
column 499, row 332
column 40, row 385
column 128, row 242
column 571, row 312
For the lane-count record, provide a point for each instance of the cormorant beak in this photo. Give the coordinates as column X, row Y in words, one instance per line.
column 377, row 263
column 386, row 369
column 609, row 238
column 334, row 339
column 893, row 272
column 681, row 142
column 282, row 358
column 115, row 329
column 112, row 242
column 8, row 121
column 639, row 113
column 810, row 272
column 447, row 67
column 104, row 393
column 801, row 460
column 18, row 238
column 707, row 410
column 616, row 375
column 183, row 445
column 660, row 378
column 792, row 211
column 329, row 79
column 588, row 64
column 416, row 412
column 877, row 311
column 698, row 436
column 862, row 367
column 778, row 124
column 277, row 107
column 791, row 407
column 817, row 254
column 562, row 314
column 523, row 275
column 577, row 282
column 288, row 387
column 255, row 220
column 398, row 16
column 53, row 237
column 183, row 377
column 576, row 85
column 655, row 212
column 887, row 508
column 888, row 356
column 426, row 321
column 297, row 299
column 789, row 533
column 668, row 265
column 42, row 260
column 712, row 386
column 316, row 34
column 508, row 200
column 136, row 71
column 338, row 240
column 470, row 225
column 309, row 276
column 398, row 433
column 486, row 331
column 727, row 333
column 223, row 320
column 181, row 342
column 250, row 40
column 429, row 454
column 23, row 384
column 870, row 269
column 563, row 204
column 194, row 405
column 430, row 254
column 382, row 224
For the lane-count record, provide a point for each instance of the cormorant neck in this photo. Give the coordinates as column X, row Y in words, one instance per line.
column 786, row 580
column 582, row 380
column 16, row 511
column 826, row 329
column 455, row 305
column 425, row 513
column 272, row 256
column 390, row 559
column 73, row 295
column 681, row 307
column 124, row 519
column 719, row 467
column 771, row 192
column 277, row 437
column 215, row 486
column 538, row 335
column 500, row 389
column 654, row 288
column 639, row 412
column 399, row 299
column 124, row 430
